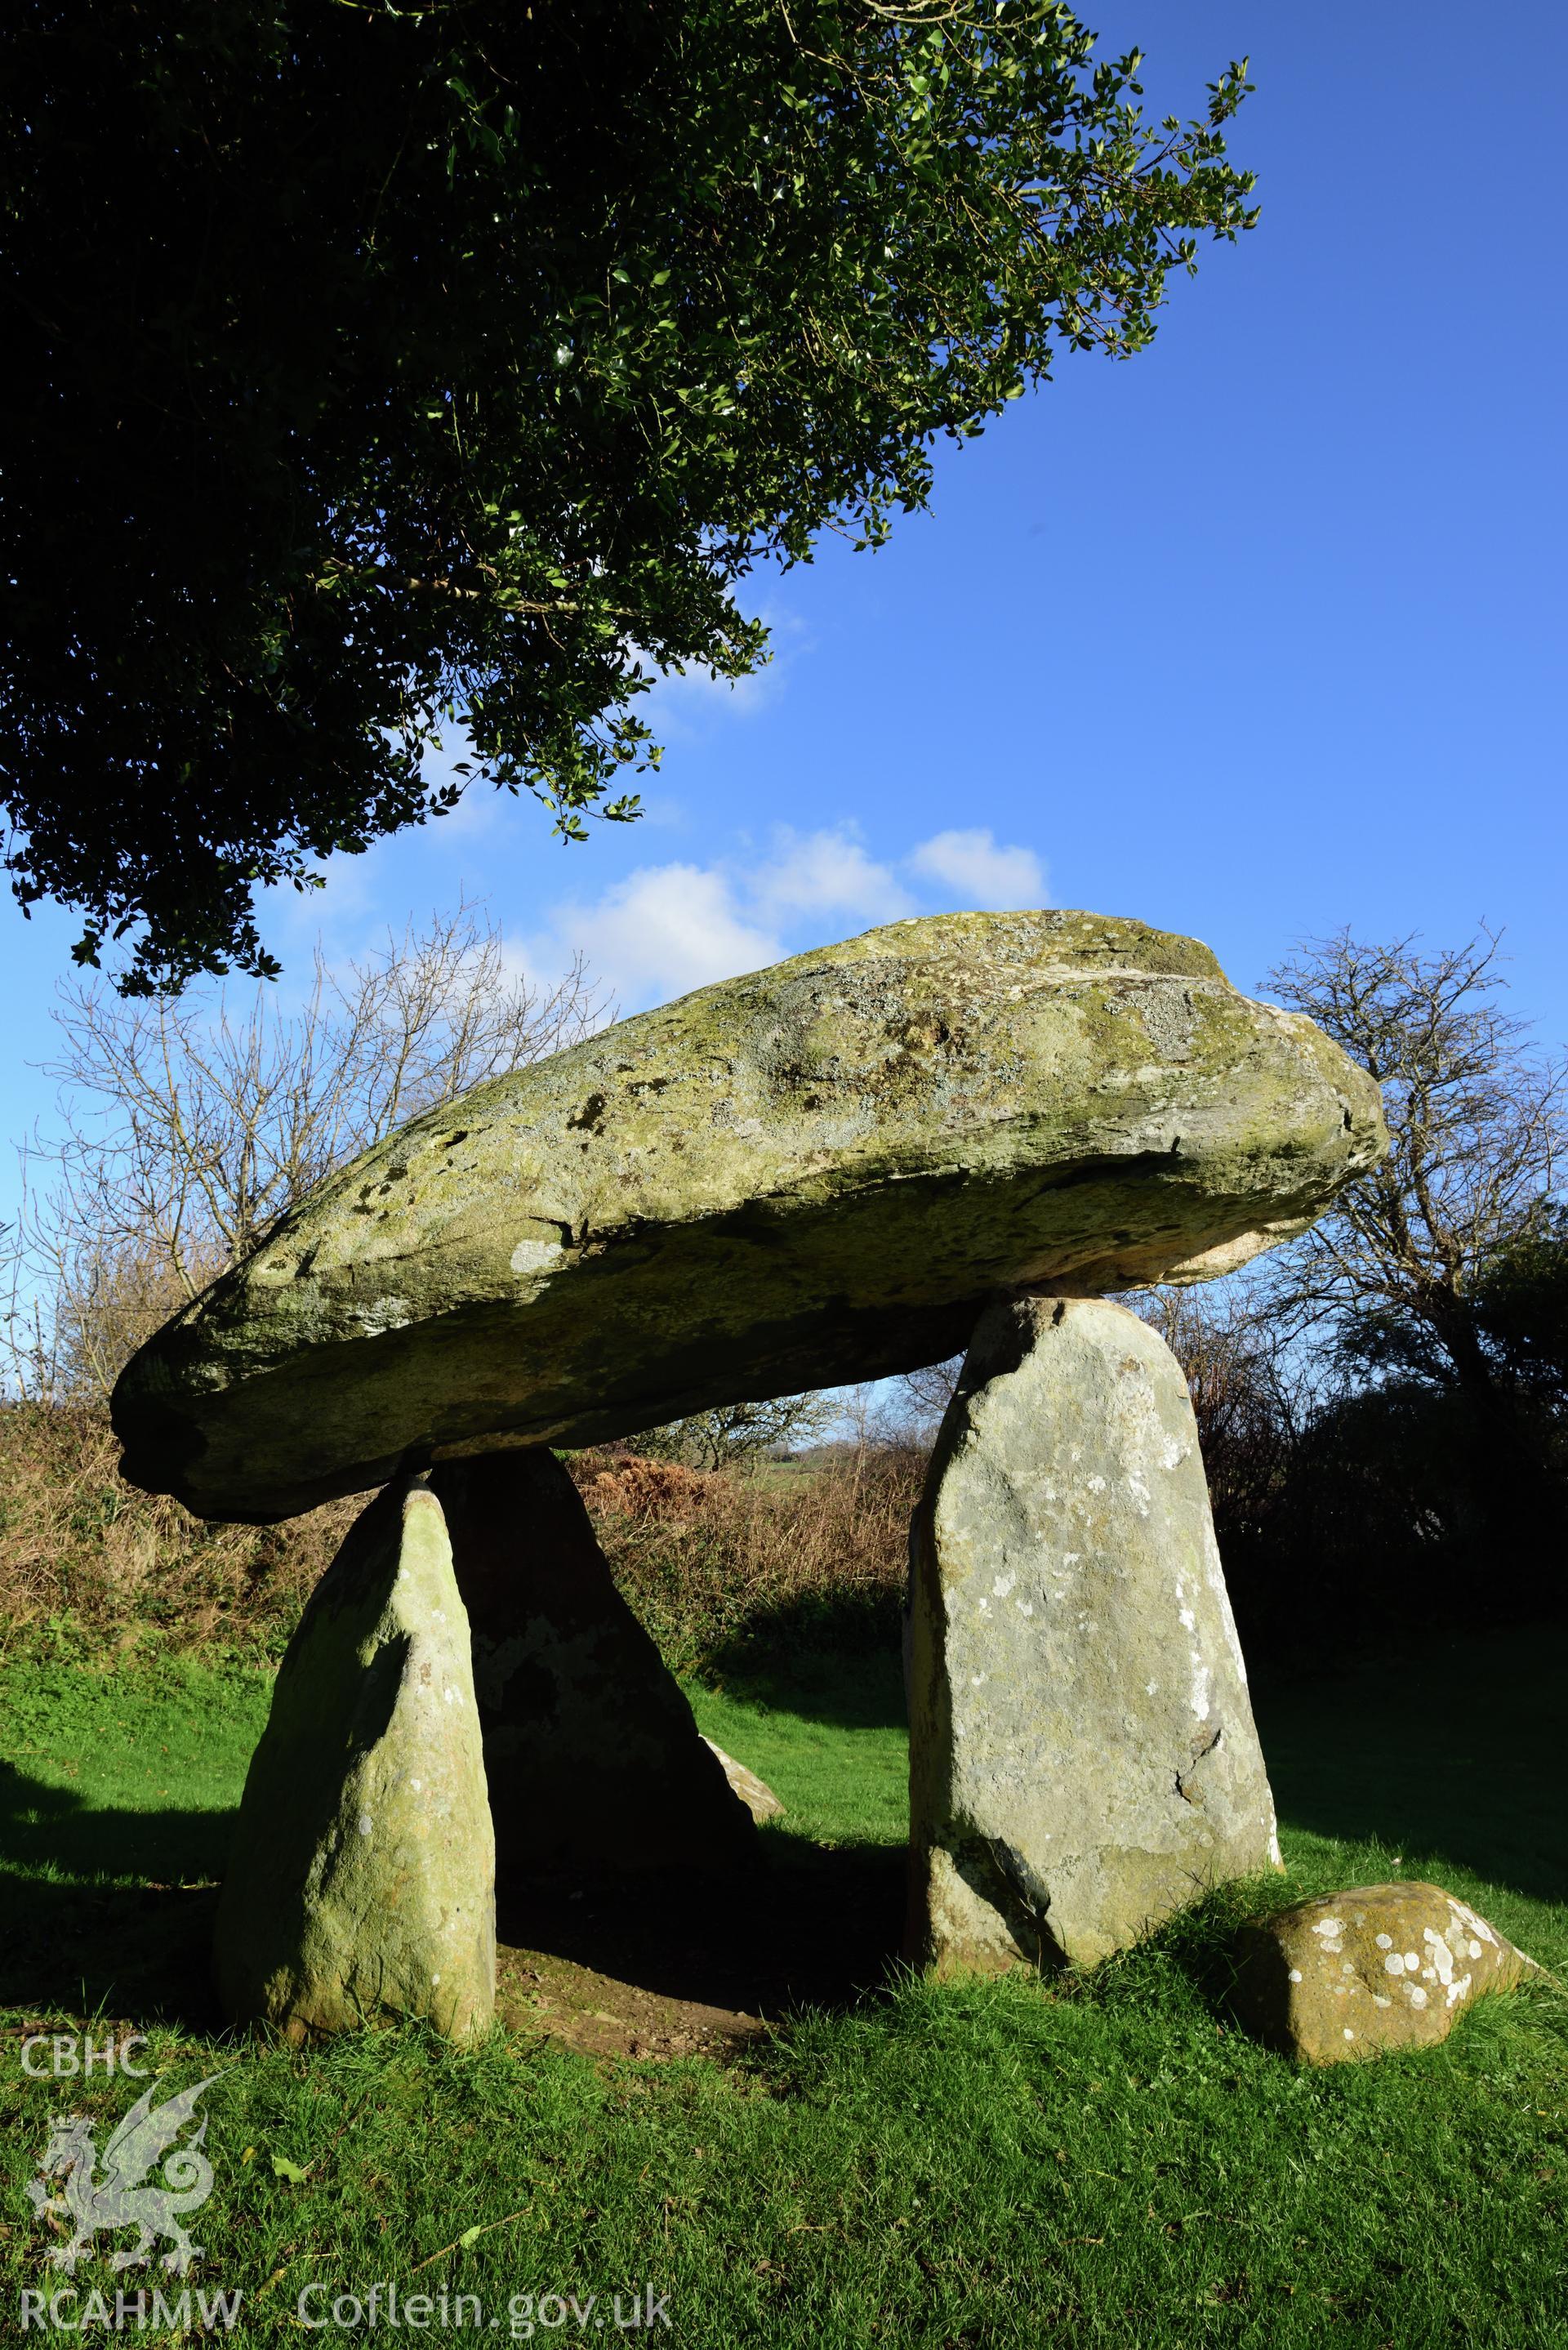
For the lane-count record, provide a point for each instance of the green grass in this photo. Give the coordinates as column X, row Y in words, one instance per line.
column 832, row 1746
column 123, row 1777
column 974, row 2165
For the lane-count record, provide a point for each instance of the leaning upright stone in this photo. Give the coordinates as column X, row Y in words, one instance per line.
column 593, row 1759
column 1083, row 1758
column 363, row 1873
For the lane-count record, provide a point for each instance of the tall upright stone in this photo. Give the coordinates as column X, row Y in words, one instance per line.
column 1083, row 1755
column 362, row 1876
column 593, row 1756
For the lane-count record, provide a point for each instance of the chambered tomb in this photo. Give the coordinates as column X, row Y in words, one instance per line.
column 970, row 1128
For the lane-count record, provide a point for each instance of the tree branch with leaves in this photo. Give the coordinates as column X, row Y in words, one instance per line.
column 412, row 369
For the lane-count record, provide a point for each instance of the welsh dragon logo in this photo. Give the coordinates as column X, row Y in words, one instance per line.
column 119, row 2199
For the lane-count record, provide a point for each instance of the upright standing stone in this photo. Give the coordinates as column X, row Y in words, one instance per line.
column 593, row 1758
column 1082, row 1757
column 363, row 1871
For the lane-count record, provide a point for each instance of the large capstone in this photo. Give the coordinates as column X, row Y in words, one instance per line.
column 1083, row 1758
column 362, row 1877
column 818, row 1173
column 594, row 1760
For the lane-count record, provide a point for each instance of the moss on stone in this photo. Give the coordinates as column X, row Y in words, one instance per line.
column 362, row 1877
column 814, row 1173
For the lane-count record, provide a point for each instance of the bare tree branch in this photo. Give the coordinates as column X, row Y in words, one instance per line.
column 189, row 1126
column 1479, row 1117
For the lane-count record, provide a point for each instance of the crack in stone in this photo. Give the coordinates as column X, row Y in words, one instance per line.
column 1201, row 1750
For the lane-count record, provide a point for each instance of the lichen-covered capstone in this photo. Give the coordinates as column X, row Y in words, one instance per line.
column 1083, row 1760
column 592, row 1753
column 814, row 1174
column 362, row 1876
column 1380, row 1967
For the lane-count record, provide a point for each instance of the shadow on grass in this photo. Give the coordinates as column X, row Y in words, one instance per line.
column 111, row 1910
column 104, row 1910
column 807, row 1925
column 1456, row 1757
column 53, row 1830
column 843, row 1667
column 109, row 1949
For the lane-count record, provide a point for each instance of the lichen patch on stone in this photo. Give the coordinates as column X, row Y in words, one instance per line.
column 711, row 1201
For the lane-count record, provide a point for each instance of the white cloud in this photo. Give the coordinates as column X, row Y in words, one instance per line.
column 682, row 707
column 478, row 813
column 350, row 898
column 825, row 872
column 667, row 929
column 663, row 930
column 981, row 872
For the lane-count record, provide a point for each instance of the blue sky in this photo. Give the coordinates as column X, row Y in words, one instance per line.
column 1257, row 635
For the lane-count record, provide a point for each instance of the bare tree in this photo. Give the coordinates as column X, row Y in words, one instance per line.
column 189, row 1126
column 924, row 1396
column 741, row 1431
column 1246, row 1392
column 1479, row 1117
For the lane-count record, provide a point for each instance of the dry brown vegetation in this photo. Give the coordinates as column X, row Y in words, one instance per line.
column 730, row 1569
column 1383, row 1406
column 720, row 1566
column 88, row 1563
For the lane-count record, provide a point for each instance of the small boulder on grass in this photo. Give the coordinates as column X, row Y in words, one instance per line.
column 1382, row 1966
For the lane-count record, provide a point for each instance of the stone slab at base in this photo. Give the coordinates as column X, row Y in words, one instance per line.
column 1083, row 1756
column 756, row 1793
